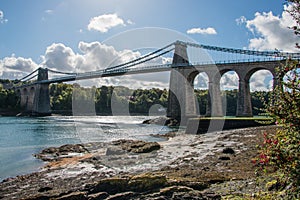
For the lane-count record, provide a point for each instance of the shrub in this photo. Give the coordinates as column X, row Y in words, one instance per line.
column 282, row 149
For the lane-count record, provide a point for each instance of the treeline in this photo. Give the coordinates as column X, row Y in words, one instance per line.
column 108, row 100
column 111, row 100
column 9, row 100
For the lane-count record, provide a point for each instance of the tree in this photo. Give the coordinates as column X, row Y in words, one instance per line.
column 282, row 149
column 8, row 98
column 295, row 13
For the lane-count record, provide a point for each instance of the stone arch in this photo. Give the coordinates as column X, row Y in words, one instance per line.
column 223, row 72
column 252, row 71
column 229, row 86
column 194, row 73
column 32, row 90
column 199, row 90
column 258, row 80
column 25, row 91
column 244, row 104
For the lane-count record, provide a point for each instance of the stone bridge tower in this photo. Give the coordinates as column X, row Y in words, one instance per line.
column 41, row 103
column 181, row 101
column 35, row 98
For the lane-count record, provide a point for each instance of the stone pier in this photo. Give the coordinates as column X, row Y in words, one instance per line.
column 35, row 99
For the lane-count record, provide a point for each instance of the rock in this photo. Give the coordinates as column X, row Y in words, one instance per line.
column 100, row 195
column 145, row 147
column 50, row 150
column 45, row 189
column 163, row 121
column 196, row 185
column 228, row 150
column 159, row 121
column 224, row 158
column 137, row 146
column 114, row 151
column 74, row 148
column 147, row 182
column 121, row 196
column 37, row 197
column 187, row 196
column 212, row 196
column 166, row 135
column 73, row 196
column 172, row 122
column 170, row 190
column 54, row 153
column 111, row 186
column 180, row 192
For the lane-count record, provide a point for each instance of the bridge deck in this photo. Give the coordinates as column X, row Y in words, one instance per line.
column 147, row 69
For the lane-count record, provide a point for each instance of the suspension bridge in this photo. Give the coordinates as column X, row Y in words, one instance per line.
column 184, row 67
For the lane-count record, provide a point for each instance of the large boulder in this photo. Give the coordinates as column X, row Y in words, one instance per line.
column 137, row 146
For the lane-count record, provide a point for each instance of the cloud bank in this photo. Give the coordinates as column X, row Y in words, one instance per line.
column 14, row 67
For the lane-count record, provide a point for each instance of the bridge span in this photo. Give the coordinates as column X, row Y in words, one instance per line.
column 182, row 103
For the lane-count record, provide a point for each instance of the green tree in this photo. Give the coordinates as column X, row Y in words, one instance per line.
column 282, row 149
column 8, row 98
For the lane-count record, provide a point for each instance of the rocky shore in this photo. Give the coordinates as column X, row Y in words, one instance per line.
column 208, row 166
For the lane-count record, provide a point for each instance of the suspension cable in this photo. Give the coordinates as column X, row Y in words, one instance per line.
column 29, row 74
column 58, row 72
column 140, row 58
column 141, row 62
column 28, row 79
column 243, row 51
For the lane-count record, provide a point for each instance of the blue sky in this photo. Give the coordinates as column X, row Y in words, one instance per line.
column 33, row 32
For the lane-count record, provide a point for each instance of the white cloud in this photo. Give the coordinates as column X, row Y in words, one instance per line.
column 49, row 11
column 241, row 20
column 261, row 80
column 2, row 19
column 229, row 81
column 103, row 23
column 60, row 57
column 100, row 56
column 201, row 81
column 12, row 67
column 130, row 22
column 205, row 31
column 271, row 32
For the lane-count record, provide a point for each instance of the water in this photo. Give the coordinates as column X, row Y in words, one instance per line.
column 21, row 137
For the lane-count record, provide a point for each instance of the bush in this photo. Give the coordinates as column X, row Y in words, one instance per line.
column 282, row 149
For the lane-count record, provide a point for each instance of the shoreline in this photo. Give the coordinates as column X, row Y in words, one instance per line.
column 183, row 164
